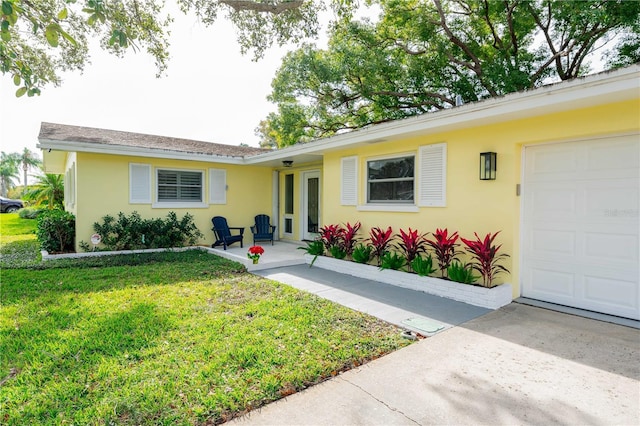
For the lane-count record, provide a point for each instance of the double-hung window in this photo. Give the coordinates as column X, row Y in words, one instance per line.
column 391, row 180
column 179, row 186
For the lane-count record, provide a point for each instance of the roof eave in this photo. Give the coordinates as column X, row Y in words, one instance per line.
column 593, row 90
column 71, row 146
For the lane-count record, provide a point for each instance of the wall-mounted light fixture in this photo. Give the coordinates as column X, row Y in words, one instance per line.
column 287, row 163
column 488, row 165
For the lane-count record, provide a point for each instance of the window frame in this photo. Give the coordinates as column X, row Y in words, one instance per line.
column 391, row 203
column 179, row 203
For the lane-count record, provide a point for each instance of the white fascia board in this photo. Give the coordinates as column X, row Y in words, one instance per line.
column 593, row 90
column 135, row 152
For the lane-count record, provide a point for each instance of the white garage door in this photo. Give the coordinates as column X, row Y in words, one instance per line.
column 581, row 225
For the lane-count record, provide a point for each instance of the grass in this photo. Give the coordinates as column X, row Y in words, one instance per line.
column 166, row 338
column 18, row 244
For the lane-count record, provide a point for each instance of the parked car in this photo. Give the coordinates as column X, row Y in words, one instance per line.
column 10, row 206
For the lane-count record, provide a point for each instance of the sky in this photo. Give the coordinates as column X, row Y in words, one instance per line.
column 211, row 92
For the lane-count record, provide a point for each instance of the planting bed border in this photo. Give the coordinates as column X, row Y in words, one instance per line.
column 491, row 298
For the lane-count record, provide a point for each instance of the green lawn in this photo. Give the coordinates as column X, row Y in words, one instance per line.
column 165, row 338
column 18, row 244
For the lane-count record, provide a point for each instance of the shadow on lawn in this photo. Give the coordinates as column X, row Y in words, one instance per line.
column 108, row 273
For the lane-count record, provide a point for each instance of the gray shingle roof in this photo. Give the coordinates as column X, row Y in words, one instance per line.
column 67, row 133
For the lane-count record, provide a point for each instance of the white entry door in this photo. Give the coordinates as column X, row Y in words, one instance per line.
column 310, row 204
column 581, row 226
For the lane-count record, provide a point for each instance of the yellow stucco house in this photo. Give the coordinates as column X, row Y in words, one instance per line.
column 565, row 193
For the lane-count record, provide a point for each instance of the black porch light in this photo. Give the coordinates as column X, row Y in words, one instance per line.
column 488, row 165
column 287, row 163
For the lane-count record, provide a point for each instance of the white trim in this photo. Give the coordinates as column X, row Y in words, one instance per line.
column 275, row 204
column 304, row 211
column 401, row 208
column 71, row 146
column 146, row 199
column 196, row 204
column 391, row 202
column 174, row 205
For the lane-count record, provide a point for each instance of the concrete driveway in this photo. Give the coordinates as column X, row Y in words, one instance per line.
column 517, row 365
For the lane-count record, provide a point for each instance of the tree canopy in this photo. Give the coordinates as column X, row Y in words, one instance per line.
column 426, row 55
column 41, row 38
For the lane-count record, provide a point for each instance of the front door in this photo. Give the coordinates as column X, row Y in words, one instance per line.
column 310, row 204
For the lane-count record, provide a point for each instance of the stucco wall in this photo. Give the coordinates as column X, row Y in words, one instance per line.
column 103, row 188
column 473, row 205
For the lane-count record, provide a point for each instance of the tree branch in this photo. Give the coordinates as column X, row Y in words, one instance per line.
column 497, row 41
column 275, row 8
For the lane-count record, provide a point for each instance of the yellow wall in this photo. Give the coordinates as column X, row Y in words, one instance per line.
column 473, row 205
column 103, row 188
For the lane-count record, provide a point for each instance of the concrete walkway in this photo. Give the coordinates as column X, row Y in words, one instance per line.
column 518, row 365
column 405, row 308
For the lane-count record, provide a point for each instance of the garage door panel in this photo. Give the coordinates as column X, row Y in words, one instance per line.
column 549, row 282
column 617, row 156
column 581, row 226
column 547, row 165
column 611, row 201
column 600, row 290
column 553, row 202
column 611, row 248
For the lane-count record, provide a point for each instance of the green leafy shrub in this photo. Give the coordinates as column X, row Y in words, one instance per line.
column 338, row 252
column 133, row 232
column 56, row 231
column 314, row 248
column 362, row 253
column 392, row 260
column 423, row 266
column 30, row 213
column 461, row 273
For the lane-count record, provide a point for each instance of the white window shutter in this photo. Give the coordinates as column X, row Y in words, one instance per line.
column 72, row 184
column 349, row 181
column 432, row 184
column 139, row 183
column 217, row 186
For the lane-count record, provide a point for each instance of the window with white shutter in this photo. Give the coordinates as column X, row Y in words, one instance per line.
column 139, row 183
column 391, row 180
column 349, row 181
column 217, row 186
column 184, row 186
column 432, row 164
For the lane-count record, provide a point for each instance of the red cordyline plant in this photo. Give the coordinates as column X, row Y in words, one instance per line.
column 411, row 244
column 349, row 237
column 380, row 240
column 485, row 257
column 444, row 247
column 331, row 236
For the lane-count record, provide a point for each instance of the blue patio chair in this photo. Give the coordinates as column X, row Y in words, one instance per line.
column 262, row 230
column 222, row 231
